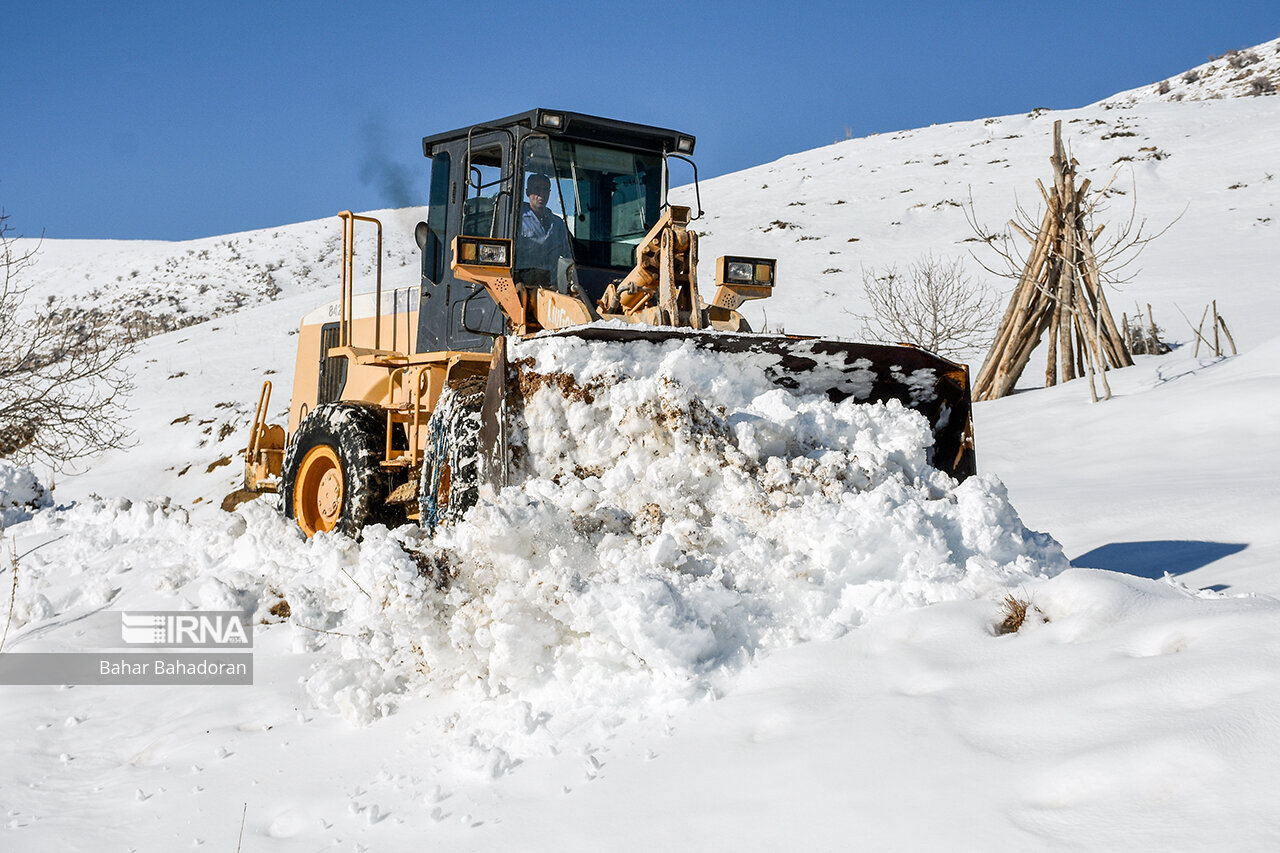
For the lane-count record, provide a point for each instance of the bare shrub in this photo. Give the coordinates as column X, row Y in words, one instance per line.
column 1191, row 76
column 1241, row 58
column 1144, row 338
column 63, row 382
column 935, row 304
column 1163, row 88
column 1261, row 86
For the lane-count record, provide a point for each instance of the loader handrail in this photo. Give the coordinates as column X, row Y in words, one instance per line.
column 346, row 317
column 666, row 178
column 259, row 420
column 265, row 452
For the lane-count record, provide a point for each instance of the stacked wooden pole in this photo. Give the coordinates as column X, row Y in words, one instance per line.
column 1059, row 292
column 1219, row 322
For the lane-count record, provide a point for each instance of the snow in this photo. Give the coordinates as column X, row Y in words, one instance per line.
column 711, row 612
column 21, row 493
column 1247, row 72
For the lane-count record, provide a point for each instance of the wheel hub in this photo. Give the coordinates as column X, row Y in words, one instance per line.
column 329, row 495
column 317, row 497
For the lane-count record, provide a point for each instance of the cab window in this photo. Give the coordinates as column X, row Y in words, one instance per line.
column 482, row 210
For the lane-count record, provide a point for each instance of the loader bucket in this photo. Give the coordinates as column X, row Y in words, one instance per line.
column 932, row 385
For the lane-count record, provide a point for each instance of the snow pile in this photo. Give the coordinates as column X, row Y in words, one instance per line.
column 21, row 493
column 680, row 514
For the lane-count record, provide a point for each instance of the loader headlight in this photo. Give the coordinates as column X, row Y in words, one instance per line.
column 739, row 271
column 485, row 253
column 555, row 121
column 684, row 144
column 746, row 271
column 494, row 255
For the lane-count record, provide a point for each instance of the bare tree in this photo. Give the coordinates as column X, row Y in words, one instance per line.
column 935, row 304
column 63, row 382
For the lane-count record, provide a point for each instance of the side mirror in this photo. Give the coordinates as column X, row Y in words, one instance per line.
column 420, row 234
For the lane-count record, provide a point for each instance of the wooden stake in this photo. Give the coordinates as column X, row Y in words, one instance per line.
column 1093, row 333
column 1217, row 345
column 1015, row 315
column 1122, row 355
column 1051, row 366
column 1093, row 390
column 1067, row 290
column 1016, row 227
column 1081, row 358
column 1227, row 332
column 1100, row 357
column 1044, row 195
column 1010, row 376
column 1102, row 361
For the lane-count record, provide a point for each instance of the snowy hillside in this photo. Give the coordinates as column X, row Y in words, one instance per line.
column 1208, row 168
column 155, row 286
column 1245, row 73
column 714, row 614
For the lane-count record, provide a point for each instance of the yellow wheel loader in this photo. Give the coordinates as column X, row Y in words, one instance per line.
column 546, row 222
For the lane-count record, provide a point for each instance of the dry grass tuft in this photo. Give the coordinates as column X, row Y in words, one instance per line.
column 1015, row 611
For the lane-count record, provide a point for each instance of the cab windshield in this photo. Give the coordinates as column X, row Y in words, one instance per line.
column 608, row 198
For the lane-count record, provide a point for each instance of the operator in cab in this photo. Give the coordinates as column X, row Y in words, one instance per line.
column 543, row 239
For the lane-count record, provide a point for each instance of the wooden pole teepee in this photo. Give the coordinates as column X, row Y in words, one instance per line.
column 1059, row 292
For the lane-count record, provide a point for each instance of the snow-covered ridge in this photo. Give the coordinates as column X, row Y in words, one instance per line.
column 1245, row 73
column 156, row 286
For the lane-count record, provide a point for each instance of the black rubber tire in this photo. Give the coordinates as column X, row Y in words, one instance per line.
column 356, row 433
column 450, row 477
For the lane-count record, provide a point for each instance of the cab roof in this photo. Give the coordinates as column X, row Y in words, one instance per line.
column 577, row 126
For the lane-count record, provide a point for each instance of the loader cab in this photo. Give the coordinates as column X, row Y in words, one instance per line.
column 605, row 183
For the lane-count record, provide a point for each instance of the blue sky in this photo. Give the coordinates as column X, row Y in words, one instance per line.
column 171, row 120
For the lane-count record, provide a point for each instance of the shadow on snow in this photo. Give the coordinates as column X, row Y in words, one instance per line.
column 1153, row 559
